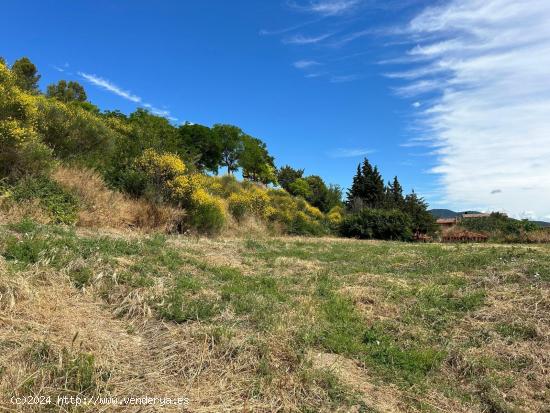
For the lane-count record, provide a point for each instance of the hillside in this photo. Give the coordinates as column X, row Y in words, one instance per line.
column 272, row 324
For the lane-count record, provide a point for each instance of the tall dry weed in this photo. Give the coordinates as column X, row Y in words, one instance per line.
column 105, row 208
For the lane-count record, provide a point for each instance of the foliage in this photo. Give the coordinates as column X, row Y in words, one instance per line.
column 74, row 132
column 160, row 168
column 300, row 187
column 255, row 161
column 253, row 201
column 25, row 74
column 287, row 175
column 367, row 189
column 61, row 205
column 377, row 224
column 335, row 216
column 231, row 140
column 312, row 188
column 204, row 146
column 21, row 150
column 394, row 195
column 67, row 91
column 417, row 209
column 207, row 212
column 499, row 225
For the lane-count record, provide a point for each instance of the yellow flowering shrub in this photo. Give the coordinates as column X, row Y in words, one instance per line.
column 181, row 188
column 253, row 200
column 160, row 167
column 207, row 212
column 313, row 212
column 22, row 151
column 335, row 216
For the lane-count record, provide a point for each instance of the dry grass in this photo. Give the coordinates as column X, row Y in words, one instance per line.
column 14, row 212
column 277, row 324
column 105, row 208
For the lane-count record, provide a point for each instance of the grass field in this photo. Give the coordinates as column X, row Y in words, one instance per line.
column 274, row 324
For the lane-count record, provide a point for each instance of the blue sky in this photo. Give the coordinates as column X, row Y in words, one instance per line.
column 425, row 89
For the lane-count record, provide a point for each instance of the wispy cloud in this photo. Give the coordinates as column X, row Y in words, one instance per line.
column 265, row 32
column 314, row 75
column 486, row 71
column 301, row 39
column 304, row 64
column 350, row 152
column 62, row 68
column 328, row 7
column 109, row 86
column 344, row 78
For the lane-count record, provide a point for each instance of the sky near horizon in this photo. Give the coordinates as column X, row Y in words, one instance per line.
column 453, row 96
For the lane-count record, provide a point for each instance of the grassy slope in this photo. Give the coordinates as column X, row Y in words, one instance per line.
column 285, row 324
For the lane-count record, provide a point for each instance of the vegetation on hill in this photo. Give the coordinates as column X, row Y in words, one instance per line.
column 163, row 167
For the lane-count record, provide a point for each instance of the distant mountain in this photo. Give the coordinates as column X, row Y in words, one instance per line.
column 447, row 213
column 443, row 213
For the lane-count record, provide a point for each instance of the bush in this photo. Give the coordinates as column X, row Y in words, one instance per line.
column 499, row 226
column 302, row 224
column 21, row 150
column 252, row 201
column 73, row 132
column 377, row 224
column 295, row 215
column 61, row 205
column 335, row 216
column 207, row 212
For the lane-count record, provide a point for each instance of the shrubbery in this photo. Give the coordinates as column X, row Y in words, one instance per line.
column 59, row 204
column 500, row 227
column 372, row 223
column 21, row 150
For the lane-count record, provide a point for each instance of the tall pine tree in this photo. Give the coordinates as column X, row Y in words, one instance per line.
column 367, row 189
column 394, row 195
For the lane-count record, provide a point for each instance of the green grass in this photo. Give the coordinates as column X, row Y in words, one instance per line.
column 408, row 322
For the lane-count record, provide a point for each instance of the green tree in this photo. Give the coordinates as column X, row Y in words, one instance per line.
column 287, row 175
column 203, row 144
column 319, row 192
column 67, row 91
column 354, row 200
column 394, row 195
column 417, row 209
column 370, row 223
column 300, row 187
column 255, row 161
column 367, row 189
column 333, row 197
column 26, row 74
column 231, row 139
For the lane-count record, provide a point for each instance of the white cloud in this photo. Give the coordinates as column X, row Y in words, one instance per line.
column 350, row 152
column 304, row 64
column 314, row 75
column 301, row 39
column 344, row 78
column 329, row 7
column 111, row 87
column 416, row 104
column 486, row 62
